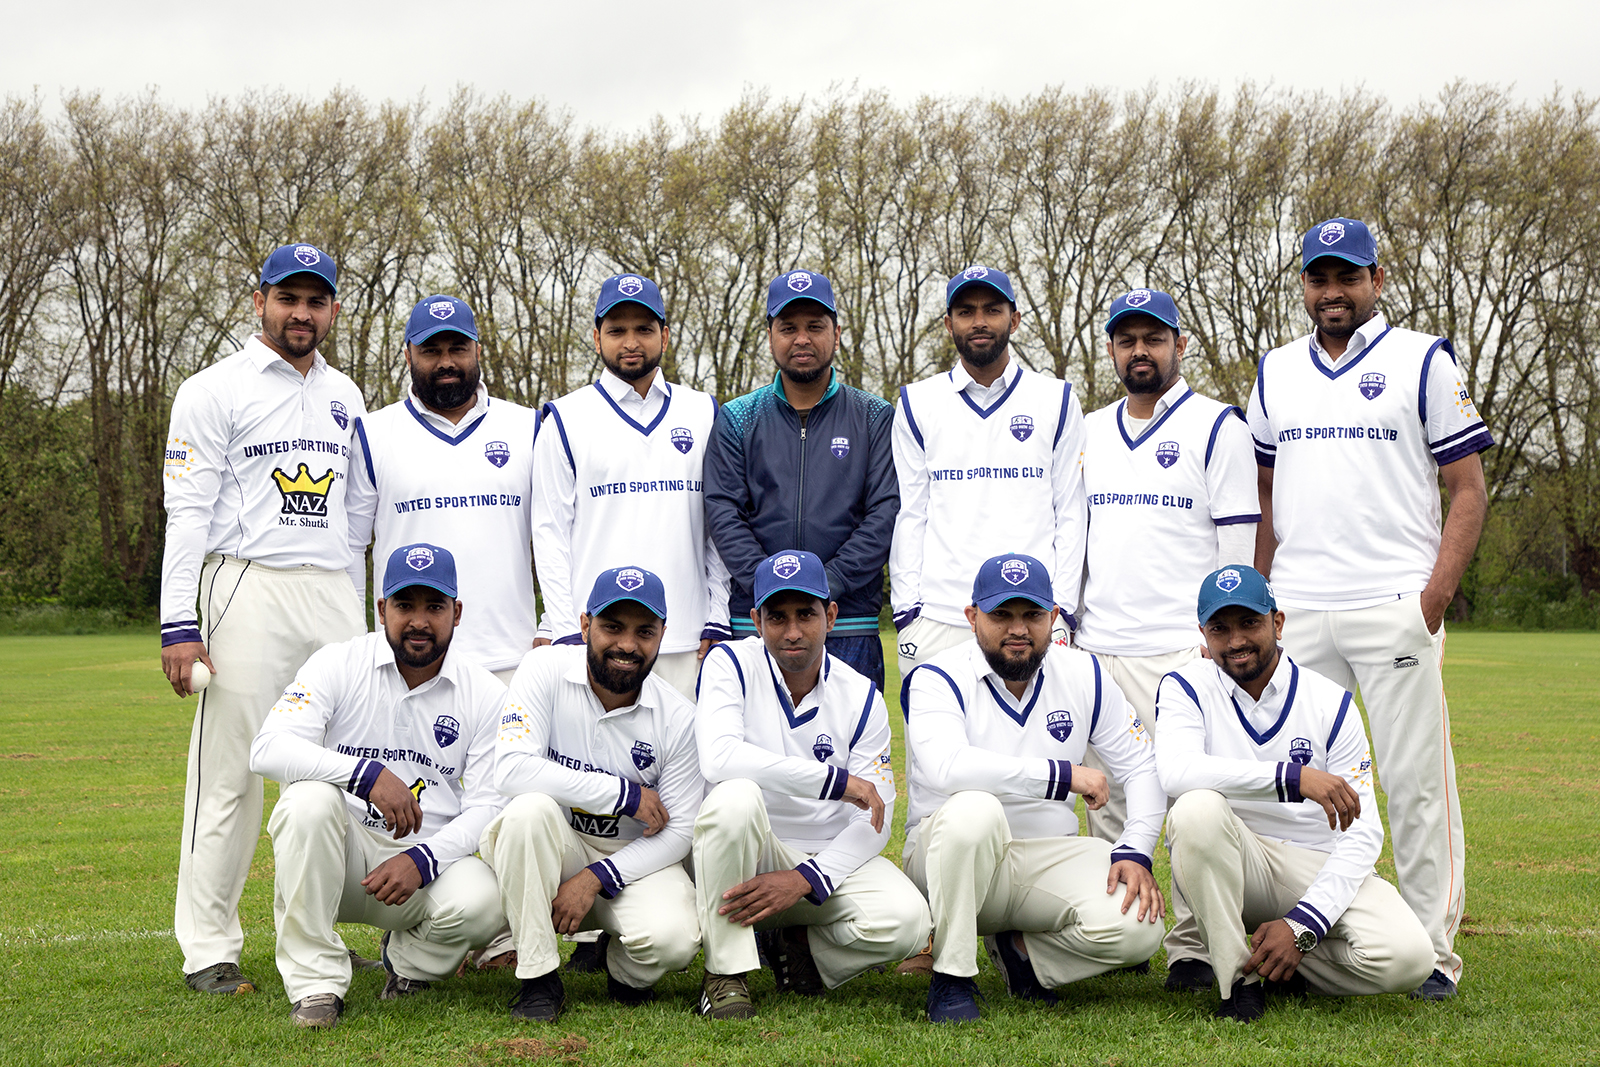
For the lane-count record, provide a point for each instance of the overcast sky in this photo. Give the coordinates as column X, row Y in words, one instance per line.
column 617, row 64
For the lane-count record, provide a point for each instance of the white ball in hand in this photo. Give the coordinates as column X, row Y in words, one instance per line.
column 200, row 677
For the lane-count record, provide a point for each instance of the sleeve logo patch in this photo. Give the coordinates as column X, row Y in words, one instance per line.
column 179, row 458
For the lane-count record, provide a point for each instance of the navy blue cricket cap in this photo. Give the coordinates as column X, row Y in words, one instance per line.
column 800, row 571
column 299, row 259
column 1004, row 577
column 798, row 285
column 979, row 275
column 629, row 288
column 628, row 583
column 437, row 313
column 1239, row 585
column 1349, row 239
column 420, row 564
column 1152, row 302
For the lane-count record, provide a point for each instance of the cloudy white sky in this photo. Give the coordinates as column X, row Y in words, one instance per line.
column 616, row 64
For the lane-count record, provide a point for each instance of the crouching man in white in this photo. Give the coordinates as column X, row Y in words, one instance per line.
column 995, row 735
column 388, row 732
column 1246, row 738
column 599, row 754
column 795, row 737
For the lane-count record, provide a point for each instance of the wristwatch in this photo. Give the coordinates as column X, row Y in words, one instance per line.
column 1304, row 939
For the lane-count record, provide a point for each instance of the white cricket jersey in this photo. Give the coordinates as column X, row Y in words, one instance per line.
column 256, row 461
column 610, row 491
column 348, row 715
column 983, row 476
column 466, row 487
column 1214, row 736
column 556, row 738
column 1355, row 448
column 964, row 730
column 801, row 756
column 1155, row 502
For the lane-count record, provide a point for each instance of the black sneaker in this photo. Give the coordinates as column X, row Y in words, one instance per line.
column 395, row 986
column 952, row 999
column 725, row 996
column 589, row 956
column 787, row 950
column 1021, row 980
column 1190, row 976
column 540, row 999
column 225, row 978
column 1437, row 987
column 1248, row 1003
column 628, row 995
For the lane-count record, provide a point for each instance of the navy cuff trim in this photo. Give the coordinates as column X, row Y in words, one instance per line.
column 1311, row 918
column 611, row 882
column 1291, row 783
column 715, row 632
column 363, row 778
column 834, row 784
column 570, row 639
column 1059, row 784
column 1461, row 451
column 181, row 632
column 907, row 617
column 821, row 884
column 1265, row 459
column 1235, row 520
column 427, row 866
column 628, row 803
column 1121, row 853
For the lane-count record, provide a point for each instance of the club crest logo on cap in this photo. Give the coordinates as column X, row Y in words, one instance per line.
column 643, row 755
column 1014, row 571
column 840, row 447
column 340, row 415
column 446, row 730
column 786, row 567
column 630, row 579
column 682, row 439
column 1059, row 723
column 974, row 273
column 307, row 255
column 1167, row 453
column 1138, row 298
column 1372, row 385
column 1331, row 233
column 799, row 281
column 630, row 286
column 1300, row 751
column 1021, row 427
column 441, row 309
column 1229, row 580
column 822, row 748
column 420, row 558
column 497, row 452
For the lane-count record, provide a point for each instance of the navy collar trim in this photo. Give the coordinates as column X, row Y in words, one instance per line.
column 1342, row 367
column 1283, row 716
column 796, row 720
column 623, row 415
column 440, row 434
column 1135, row 442
column 984, row 413
column 1020, row 718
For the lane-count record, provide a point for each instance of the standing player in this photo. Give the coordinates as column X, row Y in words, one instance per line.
column 599, row 755
column 618, row 475
column 1170, row 477
column 382, row 739
column 1353, row 427
column 1246, row 738
column 450, row 465
column 787, row 842
column 806, row 462
column 256, row 466
column 989, row 456
column 994, row 729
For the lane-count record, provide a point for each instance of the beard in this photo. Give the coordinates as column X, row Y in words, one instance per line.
column 644, row 369
column 427, row 658
column 621, row 681
column 448, row 395
column 1014, row 670
column 1258, row 666
column 978, row 358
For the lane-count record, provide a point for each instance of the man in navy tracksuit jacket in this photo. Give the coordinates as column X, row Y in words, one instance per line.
column 806, row 463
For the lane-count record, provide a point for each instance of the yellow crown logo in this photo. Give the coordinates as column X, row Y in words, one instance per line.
column 303, row 494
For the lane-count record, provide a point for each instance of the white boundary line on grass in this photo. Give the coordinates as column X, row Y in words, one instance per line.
column 31, row 938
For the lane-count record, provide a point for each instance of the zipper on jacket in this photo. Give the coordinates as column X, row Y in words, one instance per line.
column 800, row 497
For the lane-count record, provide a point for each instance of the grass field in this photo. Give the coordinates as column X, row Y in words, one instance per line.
column 92, row 747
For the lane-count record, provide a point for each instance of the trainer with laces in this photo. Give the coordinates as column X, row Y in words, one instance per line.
column 385, row 746
column 996, row 731
column 786, row 844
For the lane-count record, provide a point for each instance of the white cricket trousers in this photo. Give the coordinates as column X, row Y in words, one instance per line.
column 1139, row 677
column 322, row 852
column 532, row 850
column 1388, row 652
column 925, row 638
column 980, row 881
column 1236, row 880
column 260, row 624
column 874, row 915
column 681, row 670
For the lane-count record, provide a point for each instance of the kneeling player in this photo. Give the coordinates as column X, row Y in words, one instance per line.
column 795, row 737
column 599, row 755
column 1246, row 738
column 403, row 695
column 995, row 735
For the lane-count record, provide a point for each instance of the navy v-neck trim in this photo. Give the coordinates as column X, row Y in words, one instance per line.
column 624, row 416
column 1133, row 442
column 1311, row 345
column 796, row 720
column 984, row 413
column 1021, row 719
column 440, row 434
column 1283, row 716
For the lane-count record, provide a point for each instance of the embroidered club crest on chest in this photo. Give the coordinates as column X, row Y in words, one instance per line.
column 1167, row 453
column 1300, row 751
column 1021, row 427
column 1059, row 723
column 1372, row 385
column 497, row 452
column 340, row 415
column 643, row 755
column 682, row 439
column 446, row 730
column 822, row 748
column 840, row 447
